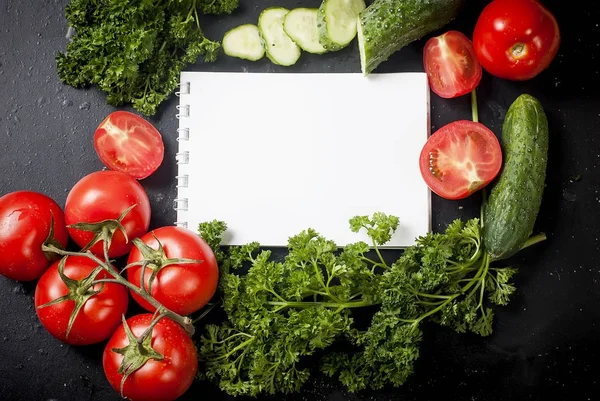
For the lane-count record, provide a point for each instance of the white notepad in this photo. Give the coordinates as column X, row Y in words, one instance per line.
column 273, row 154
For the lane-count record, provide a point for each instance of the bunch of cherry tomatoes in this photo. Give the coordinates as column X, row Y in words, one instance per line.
column 82, row 296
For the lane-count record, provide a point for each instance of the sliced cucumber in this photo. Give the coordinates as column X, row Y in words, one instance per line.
column 301, row 25
column 244, row 42
column 279, row 47
column 337, row 21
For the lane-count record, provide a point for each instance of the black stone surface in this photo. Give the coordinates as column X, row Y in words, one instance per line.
column 545, row 344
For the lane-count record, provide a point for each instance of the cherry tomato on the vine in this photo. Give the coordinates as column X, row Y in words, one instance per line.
column 103, row 304
column 25, row 224
column 183, row 288
column 105, row 195
column 165, row 378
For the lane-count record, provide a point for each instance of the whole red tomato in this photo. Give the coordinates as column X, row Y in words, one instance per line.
column 181, row 287
column 105, row 195
column 100, row 313
column 25, row 224
column 165, row 379
column 516, row 39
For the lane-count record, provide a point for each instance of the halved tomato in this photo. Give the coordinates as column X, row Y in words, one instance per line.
column 451, row 65
column 128, row 143
column 460, row 158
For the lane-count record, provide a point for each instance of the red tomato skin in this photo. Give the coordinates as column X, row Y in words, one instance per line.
column 182, row 288
column 464, row 135
column 104, row 195
column 25, row 218
column 163, row 380
column 96, row 320
column 444, row 60
column 505, row 23
column 122, row 134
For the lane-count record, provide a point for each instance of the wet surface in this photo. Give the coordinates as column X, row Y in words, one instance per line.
column 545, row 343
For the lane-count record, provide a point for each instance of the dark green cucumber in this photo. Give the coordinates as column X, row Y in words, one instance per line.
column 515, row 198
column 386, row 26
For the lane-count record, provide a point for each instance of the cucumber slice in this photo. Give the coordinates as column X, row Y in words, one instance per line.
column 337, row 21
column 301, row 25
column 279, row 47
column 244, row 42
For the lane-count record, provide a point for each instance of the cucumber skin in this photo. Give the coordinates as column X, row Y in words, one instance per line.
column 515, row 199
column 389, row 25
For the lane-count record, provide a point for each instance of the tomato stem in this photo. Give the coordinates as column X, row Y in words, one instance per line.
column 150, row 327
column 184, row 321
column 474, row 105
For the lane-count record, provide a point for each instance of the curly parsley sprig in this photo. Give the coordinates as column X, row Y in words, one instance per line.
column 280, row 313
column 135, row 50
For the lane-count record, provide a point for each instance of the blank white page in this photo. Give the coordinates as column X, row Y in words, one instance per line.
column 273, row 154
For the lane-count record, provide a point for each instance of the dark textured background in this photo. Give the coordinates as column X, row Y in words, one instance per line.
column 545, row 344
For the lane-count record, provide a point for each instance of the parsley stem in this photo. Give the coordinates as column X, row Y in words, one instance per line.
column 374, row 263
column 233, row 351
column 379, row 255
column 436, row 310
column 432, row 303
column 231, row 337
column 308, row 304
column 435, row 296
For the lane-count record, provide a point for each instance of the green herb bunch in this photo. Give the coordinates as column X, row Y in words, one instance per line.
column 135, row 50
column 281, row 312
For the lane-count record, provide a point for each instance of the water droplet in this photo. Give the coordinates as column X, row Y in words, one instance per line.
column 67, row 103
column 574, row 178
column 42, row 101
column 84, row 106
column 569, row 196
column 17, row 119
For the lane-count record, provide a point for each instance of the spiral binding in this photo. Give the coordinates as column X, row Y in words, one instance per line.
column 184, row 88
column 182, row 157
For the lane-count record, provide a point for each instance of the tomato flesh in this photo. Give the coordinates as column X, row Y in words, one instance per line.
column 96, row 320
column 25, row 222
column 451, row 65
column 460, row 158
column 126, row 142
column 183, row 288
column 516, row 39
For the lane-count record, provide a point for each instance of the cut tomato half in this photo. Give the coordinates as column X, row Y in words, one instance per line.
column 451, row 65
column 460, row 158
column 128, row 143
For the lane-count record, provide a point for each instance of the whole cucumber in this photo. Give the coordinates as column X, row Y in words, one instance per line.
column 515, row 198
column 386, row 26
